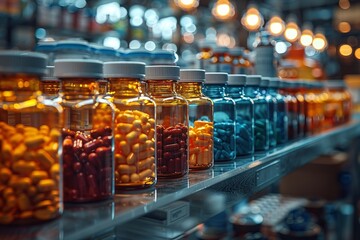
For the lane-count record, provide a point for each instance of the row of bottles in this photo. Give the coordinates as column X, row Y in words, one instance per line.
column 80, row 49
column 121, row 125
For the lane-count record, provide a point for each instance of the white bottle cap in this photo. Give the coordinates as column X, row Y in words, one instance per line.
column 274, row 82
column 68, row 68
column 265, row 81
column 253, row 80
column 236, row 79
column 49, row 74
column 216, row 78
column 22, row 62
column 162, row 72
column 192, row 75
column 124, row 69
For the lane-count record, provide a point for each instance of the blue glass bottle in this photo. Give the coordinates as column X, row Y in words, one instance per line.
column 244, row 115
column 224, row 116
column 281, row 109
column 261, row 113
column 264, row 87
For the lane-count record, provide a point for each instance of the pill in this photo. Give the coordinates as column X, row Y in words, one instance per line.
column 126, row 169
column 171, row 147
column 125, row 118
column 45, row 213
column 119, row 159
column 90, row 169
column 45, row 159
column 131, row 158
column 5, row 174
column 141, row 165
column 134, row 177
column 67, row 144
column 93, row 160
column 6, row 218
column 54, row 134
column 151, row 133
column 43, row 203
column 81, row 185
column 142, row 138
column 124, row 178
column 24, row 203
column 132, row 137
column 138, row 147
column 38, row 175
column 16, row 139
column 145, row 174
column 92, row 185
column 34, row 141
column 123, row 128
column 103, row 153
column 46, row 185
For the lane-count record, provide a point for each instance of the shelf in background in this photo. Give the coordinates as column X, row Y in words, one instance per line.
column 237, row 179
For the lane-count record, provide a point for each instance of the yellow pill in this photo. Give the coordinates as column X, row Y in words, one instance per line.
column 204, row 136
column 198, row 124
column 44, row 203
column 151, row 133
column 124, row 128
column 21, row 184
column 31, row 191
column 45, row 159
column 5, row 174
column 31, row 155
column 144, row 119
column 34, row 141
column 31, row 130
column 201, row 143
column 20, row 128
column 192, row 160
column 125, row 118
column 146, row 127
column 126, row 169
column 23, row 168
column 26, row 215
column 6, row 152
column 139, row 147
column 46, row 185
column 137, row 124
column 16, row 139
column 44, row 129
column 38, row 175
column 144, row 164
column 192, row 135
column 19, row 152
column 119, row 137
column 194, row 150
column 131, row 158
column 125, row 148
column 55, row 172
column 119, row 159
column 125, row 178
column 132, row 137
column 24, row 202
column 46, row 213
column 146, row 173
column 150, row 143
column 55, row 134
column 7, row 192
column 134, row 177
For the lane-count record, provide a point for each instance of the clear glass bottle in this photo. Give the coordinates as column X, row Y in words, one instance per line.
column 264, row 91
column 221, row 59
column 286, row 89
column 30, row 142
column 201, row 122
column 134, row 127
column 261, row 113
column 88, row 135
column 244, row 115
column 224, row 116
column 172, row 120
column 49, row 84
column 281, row 129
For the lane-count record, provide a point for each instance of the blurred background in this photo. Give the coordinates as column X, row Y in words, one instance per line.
column 328, row 30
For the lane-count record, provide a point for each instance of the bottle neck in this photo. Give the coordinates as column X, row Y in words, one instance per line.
column 18, row 87
column 252, row 91
column 189, row 89
column 79, row 88
column 161, row 88
column 125, row 87
column 214, row 90
column 235, row 91
column 50, row 88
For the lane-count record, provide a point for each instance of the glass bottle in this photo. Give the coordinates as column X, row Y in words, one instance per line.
column 49, row 84
column 264, row 55
column 88, row 132
column 203, row 58
column 244, row 130
column 286, row 89
column 261, row 113
column 334, row 109
column 313, row 109
column 296, row 91
column 221, row 59
column 172, row 120
column 281, row 130
column 201, row 122
column 134, row 127
column 30, row 142
column 264, row 91
column 224, row 116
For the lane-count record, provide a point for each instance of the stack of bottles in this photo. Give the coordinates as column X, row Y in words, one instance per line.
column 147, row 122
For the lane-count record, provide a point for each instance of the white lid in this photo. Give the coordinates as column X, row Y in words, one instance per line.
column 192, row 75
column 253, row 80
column 216, row 78
column 22, row 62
column 236, row 79
column 124, row 69
column 236, row 51
column 335, row 84
column 265, row 82
column 274, row 82
column 67, row 68
column 162, row 72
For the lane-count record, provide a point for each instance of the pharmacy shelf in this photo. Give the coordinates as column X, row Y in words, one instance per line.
column 237, row 179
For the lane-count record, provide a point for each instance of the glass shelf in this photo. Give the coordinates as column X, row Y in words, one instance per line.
column 237, row 179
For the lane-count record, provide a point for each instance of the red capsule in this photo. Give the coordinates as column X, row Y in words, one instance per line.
column 167, row 156
column 107, row 141
column 169, row 140
column 171, row 166
column 94, row 160
column 159, row 161
column 68, row 158
column 90, row 169
column 178, row 165
column 81, row 185
column 159, row 129
column 182, row 150
column 91, row 146
column 83, row 157
column 159, row 144
column 70, row 194
column 182, row 144
column 184, row 137
column 163, row 169
column 68, row 145
column 107, row 131
column 78, row 146
column 67, row 133
column 77, row 167
column 81, row 136
column 171, row 147
column 159, row 153
column 93, row 187
column 95, row 133
column 104, row 155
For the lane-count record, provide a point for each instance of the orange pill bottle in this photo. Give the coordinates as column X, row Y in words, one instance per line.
column 30, row 142
column 172, row 121
column 134, row 127
column 201, row 123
